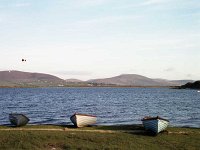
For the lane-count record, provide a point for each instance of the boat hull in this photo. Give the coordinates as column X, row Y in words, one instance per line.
column 155, row 125
column 82, row 120
column 18, row 119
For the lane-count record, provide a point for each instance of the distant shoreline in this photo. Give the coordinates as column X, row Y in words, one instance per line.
column 89, row 87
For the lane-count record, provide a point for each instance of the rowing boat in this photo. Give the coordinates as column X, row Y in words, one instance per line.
column 18, row 119
column 155, row 124
column 82, row 120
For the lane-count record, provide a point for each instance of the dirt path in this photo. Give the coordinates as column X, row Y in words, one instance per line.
column 66, row 130
column 97, row 131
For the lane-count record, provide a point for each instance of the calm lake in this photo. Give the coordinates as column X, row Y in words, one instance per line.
column 110, row 105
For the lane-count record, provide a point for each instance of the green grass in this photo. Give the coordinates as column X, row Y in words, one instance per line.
column 175, row 138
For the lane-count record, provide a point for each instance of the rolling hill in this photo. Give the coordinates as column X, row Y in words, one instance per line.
column 27, row 79
column 19, row 78
column 138, row 80
column 73, row 81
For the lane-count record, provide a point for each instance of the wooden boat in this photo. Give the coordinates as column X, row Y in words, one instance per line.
column 18, row 119
column 155, row 124
column 82, row 120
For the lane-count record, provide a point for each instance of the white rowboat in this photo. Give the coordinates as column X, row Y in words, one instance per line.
column 155, row 124
column 82, row 120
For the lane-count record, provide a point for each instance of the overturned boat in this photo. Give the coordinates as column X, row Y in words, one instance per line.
column 155, row 124
column 18, row 119
column 82, row 120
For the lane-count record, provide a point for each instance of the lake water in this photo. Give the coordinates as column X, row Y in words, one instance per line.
column 110, row 105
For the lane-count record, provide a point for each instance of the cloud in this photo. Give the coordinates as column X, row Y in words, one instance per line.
column 189, row 75
column 143, row 3
column 170, row 69
column 74, row 72
column 15, row 5
column 22, row 4
column 86, row 3
column 154, row 2
column 108, row 19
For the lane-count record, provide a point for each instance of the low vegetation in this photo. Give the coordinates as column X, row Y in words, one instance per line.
column 189, row 85
column 50, row 137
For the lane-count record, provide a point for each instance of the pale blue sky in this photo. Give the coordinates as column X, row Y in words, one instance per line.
column 87, row 39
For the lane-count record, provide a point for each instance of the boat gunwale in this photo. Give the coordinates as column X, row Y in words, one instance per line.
column 79, row 114
column 153, row 118
column 18, row 115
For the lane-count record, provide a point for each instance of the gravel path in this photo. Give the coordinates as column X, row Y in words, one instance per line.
column 85, row 130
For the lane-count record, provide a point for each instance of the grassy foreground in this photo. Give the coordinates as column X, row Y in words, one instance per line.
column 123, row 137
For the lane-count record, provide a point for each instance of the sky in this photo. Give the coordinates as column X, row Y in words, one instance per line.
column 88, row 39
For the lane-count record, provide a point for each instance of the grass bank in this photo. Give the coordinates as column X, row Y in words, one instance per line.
column 49, row 137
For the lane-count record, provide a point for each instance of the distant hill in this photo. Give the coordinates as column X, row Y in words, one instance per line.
column 73, row 81
column 137, row 80
column 181, row 82
column 27, row 79
column 189, row 85
column 19, row 78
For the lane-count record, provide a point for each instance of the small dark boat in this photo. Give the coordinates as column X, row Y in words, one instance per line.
column 18, row 119
column 155, row 124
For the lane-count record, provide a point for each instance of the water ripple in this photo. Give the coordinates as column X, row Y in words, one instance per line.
column 111, row 105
